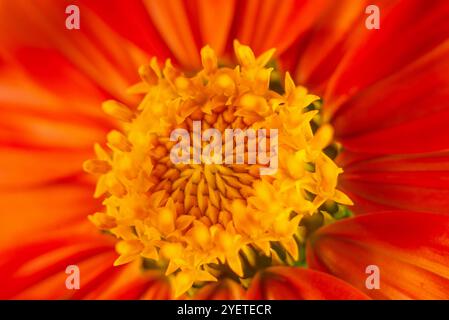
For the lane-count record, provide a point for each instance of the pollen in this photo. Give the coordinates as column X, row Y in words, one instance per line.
column 199, row 222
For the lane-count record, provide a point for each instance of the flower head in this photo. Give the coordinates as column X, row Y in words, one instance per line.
column 199, row 221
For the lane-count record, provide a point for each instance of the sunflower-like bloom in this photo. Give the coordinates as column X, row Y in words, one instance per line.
column 360, row 117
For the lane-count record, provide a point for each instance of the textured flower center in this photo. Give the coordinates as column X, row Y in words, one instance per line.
column 202, row 221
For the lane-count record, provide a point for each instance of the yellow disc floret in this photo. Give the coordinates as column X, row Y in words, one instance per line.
column 195, row 220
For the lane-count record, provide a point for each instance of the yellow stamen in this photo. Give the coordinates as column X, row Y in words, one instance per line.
column 96, row 166
column 192, row 217
column 117, row 110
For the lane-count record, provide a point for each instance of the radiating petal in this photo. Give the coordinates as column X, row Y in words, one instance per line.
column 262, row 25
column 407, row 111
column 410, row 249
column 29, row 85
column 388, row 50
column 215, row 21
column 37, row 269
column 94, row 49
column 222, row 290
column 45, row 131
column 289, row 283
column 42, row 262
column 27, row 168
column 340, row 29
column 26, row 212
column 413, row 182
column 130, row 282
column 131, row 21
column 171, row 18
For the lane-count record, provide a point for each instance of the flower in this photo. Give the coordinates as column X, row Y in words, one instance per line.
column 387, row 108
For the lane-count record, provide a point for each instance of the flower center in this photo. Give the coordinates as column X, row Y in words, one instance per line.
column 221, row 216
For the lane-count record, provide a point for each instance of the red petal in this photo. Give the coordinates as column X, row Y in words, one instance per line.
column 413, row 182
column 172, row 20
column 130, row 282
column 395, row 45
column 332, row 36
column 37, row 269
column 410, row 249
column 131, row 21
column 289, row 283
column 407, row 111
column 109, row 60
column 222, row 290
column 263, row 25
column 52, row 88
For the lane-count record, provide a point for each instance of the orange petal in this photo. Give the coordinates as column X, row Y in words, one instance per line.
column 37, row 269
column 410, row 249
column 262, row 25
column 24, row 129
column 27, row 168
column 40, row 106
column 222, row 290
column 130, row 282
column 95, row 49
column 171, row 17
column 52, row 88
column 46, row 125
column 93, row 271
column 30, row 211
column 289, row 283
column 212, row 14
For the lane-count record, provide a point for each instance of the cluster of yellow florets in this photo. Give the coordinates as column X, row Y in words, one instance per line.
column 192, row 218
